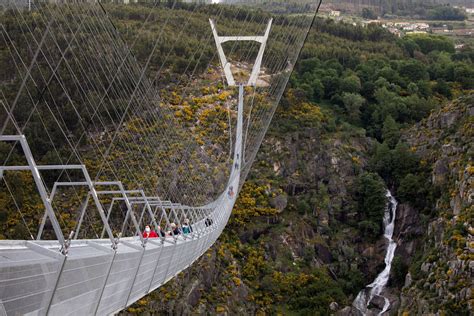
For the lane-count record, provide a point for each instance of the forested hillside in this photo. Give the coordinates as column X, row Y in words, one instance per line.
column 305, row 236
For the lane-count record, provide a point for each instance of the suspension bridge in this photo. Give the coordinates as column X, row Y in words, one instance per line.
column 93, row 149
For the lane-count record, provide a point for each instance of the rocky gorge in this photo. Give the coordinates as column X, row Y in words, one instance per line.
column 433, row 263
column 364, row 113
column 443, row 273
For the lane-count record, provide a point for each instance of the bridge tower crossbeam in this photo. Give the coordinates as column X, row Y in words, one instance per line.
column 226, row 66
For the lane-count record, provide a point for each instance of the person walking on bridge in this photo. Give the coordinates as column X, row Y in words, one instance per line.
column 187, row 228
column 174, row 230
column 148, row 233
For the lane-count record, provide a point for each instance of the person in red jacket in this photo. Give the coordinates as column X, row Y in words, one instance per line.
column 148, row 233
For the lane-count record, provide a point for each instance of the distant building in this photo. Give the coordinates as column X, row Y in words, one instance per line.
column 402, row 24
column 395, row 31
column 440, row 30
column 417, row 26
column 422, row 26
column 416, row 32
column 464, row 32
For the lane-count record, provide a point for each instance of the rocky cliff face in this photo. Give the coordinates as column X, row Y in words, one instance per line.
column 292, row 242
column 440, row 248
column 292, row 230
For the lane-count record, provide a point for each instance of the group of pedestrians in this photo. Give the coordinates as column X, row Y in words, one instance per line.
column 174, row 230
column 185, row 228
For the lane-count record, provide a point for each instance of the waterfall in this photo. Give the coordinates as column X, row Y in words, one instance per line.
column 365, row 296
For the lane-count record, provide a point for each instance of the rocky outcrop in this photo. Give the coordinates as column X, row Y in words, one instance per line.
column 408, row 223
column 408, row 232
column 305, row 175
column 311, row 228
column 441, row 274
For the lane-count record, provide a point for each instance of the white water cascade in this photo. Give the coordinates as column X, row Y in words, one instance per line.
column 365, row 296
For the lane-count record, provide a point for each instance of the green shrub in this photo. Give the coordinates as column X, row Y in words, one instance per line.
column 369, row 195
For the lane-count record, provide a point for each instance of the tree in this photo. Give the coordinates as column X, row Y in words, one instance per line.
column 415, row 108
column 390, row 132
column 311, row 294
column 303, row 207
column 399, row 271
column 428, row 43
column 390, row 74
column 389, row 104
column 369, row 195
column 352, row 103
column 413, row 70
column 381, row 82
column 424, row 88
column 446, row 13
column 442, row 88
column 307, row 90
column 368, row 14
column 410, row 45
column 351, row 83
column 308, row 65
column 464, row 74
column 331, row 85
column 412, row 88
column 404, row 161
column 415, row 189
column 318, row 89
column 394, row 164
column 441, row 66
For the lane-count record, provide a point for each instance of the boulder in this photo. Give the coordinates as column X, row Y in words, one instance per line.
column 440, row 172
column 407, row 222
column 240, row 293
column 456, row 204
column 194, row 294
column 346, row 311
column 407, row 227
column 377, row 302
column 447, row 119
column 368, row 252
column 408, row 280
column 333, row 306
column 279, row 202
column 425, row 267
